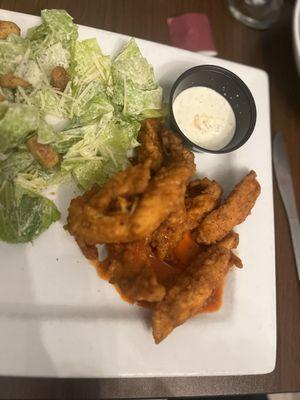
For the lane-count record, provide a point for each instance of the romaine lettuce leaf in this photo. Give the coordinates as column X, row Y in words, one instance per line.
column 91, row 104
column 86, row 174
column 37, row 179
column 16, row 122
column 46, row 134
column 52, row 102
column 12, row 51
column 84, row 150
column 103, row 146
column 138, row 101
column 91, row 82
column 90, row 65
column 53, row 56
column 151, row 113
column 16, row 162
column 131, row 65
column 135, row 88
column 23, row 215
column 57, row 27
column 67, row 138
column 30, row 71
column 61, row 141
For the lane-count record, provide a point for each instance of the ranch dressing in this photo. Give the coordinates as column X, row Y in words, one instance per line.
column 205, row 117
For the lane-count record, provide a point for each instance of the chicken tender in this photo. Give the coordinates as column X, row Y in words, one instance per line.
column 174, row 149
column 7, row 28
column 192, row 288
column 92, row 221
column 163, row 196
column 132, row 271
column 151, row 146
column 88, row 250
column 11, row 81
column 165, row 238
column 232, row 212
column 229, row 242
column 203, row 195
column 43, row 153
column 59, row 78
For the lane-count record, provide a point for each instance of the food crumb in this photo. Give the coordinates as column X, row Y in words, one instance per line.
column 57, row 259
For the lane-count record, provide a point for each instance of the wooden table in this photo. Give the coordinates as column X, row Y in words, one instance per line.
column 270, row 50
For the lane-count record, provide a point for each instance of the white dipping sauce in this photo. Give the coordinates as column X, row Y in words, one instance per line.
column 205, row 117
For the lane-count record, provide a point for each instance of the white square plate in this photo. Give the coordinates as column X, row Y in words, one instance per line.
column 57, row 318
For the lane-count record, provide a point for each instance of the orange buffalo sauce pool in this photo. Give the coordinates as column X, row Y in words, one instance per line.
column 186, row 250
column 102, row 271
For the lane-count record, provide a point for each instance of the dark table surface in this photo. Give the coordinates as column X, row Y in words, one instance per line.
column 270, row 50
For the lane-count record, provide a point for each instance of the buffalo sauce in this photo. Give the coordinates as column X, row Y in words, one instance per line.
column 184, row 253
column 165, row 273
column 102, row 271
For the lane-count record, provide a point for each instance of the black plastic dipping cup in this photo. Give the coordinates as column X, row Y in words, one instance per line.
column 232, row 88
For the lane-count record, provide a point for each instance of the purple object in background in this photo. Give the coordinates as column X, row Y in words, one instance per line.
column 192, row 31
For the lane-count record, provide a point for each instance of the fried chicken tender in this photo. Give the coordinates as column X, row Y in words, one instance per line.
column 165, row 238
column 202, row 196
column 131, row 270
column 150, row 144
column 174, row 149
column 191, row 290
column 163, row 196
column 11, row 81
column 91, row 220
column 86, row 219
column 7, row 28
column 232, row 212
column 59, row 78
column 90, row 251
column 170, row 232
column 229, row 242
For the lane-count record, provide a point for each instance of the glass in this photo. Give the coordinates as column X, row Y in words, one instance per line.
column 259, row 14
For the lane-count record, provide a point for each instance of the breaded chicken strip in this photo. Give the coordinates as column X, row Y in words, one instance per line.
column 92, row 220
column 232, row 212
column 192, row 288
column 174, row 149
column 162, row 197
column 132, row 271
column 202, row 196
column 231, row 241
column 165, row 238
column 150, row 144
